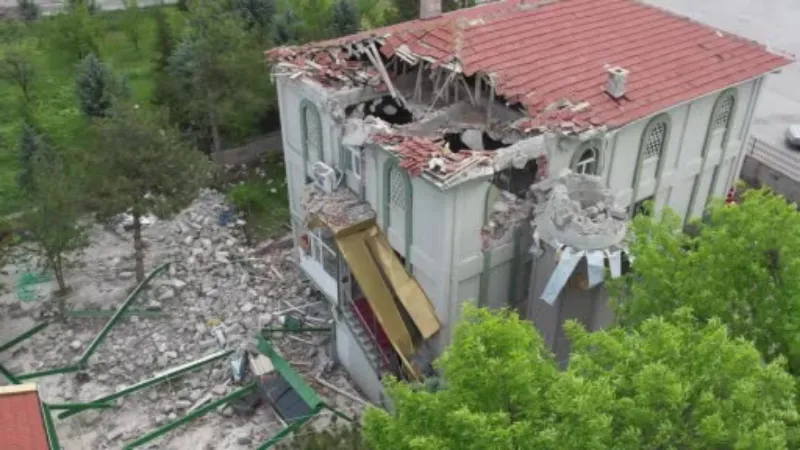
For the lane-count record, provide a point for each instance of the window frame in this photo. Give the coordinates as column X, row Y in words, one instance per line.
column 593, row 161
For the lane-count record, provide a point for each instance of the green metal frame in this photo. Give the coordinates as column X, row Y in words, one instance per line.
column 164, row 376
column 44, row 373
column 8, row 375
column 637, row 175
column 393, row 164
column 308, row 395
column 26, row 335
column 81, row 406
column 118, row 315
column 306, row 105
column 50, row 428
column 93, row 313
column 166, row 428
column 731, row 92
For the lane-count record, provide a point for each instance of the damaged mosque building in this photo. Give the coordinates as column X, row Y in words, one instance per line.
column 494, row 155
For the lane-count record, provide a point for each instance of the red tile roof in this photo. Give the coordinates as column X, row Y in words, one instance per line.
column 21, row 422
column 543, row 52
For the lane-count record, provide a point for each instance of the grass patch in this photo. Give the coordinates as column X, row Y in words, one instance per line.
column 262, row 198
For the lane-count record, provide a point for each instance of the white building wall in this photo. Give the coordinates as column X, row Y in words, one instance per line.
column 353, row 359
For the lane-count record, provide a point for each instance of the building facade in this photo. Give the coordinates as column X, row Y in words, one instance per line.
column 408, row 183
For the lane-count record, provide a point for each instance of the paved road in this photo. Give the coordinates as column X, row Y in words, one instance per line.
column 775, row 23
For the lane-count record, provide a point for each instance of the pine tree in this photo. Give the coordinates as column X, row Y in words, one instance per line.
column 286, row 28
column 165, row 41
column 93, row 86
column 29, row 142
column 28, row 10
column 255, row 13
column 345, row 18
column 140, row 164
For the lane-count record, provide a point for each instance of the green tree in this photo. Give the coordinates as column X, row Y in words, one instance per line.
column 52, row 217
column 30, row 145
column 76, row 32
column 139, row 164
column 742, row 266
column 221, row 70
column 28, row 10
column 257, row 14
column 668, row 384
column 345, row 18
column 286, row 28
column 16, row 68
column 377, row 13
column 96, row 87
column 132, row 22
column 165, row 41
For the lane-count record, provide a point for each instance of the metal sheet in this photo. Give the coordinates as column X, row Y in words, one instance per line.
column 567, row 262
column 379, row 296
column 615, row 263
column 595, row 261
column 406, row 287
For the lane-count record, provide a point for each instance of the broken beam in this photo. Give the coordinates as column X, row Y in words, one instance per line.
column 118, row 315
column 23, row 336
column 189, row 417
column 164, row 376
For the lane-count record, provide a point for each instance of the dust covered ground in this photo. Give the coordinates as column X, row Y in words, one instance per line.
column 214, row 278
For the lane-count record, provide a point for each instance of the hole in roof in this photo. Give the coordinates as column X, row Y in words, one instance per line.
column 471, row 140
column 385, row 108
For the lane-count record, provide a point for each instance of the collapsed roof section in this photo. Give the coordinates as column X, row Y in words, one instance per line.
column 470, row 82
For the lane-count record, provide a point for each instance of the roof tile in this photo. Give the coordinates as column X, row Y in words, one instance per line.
column 543, row 52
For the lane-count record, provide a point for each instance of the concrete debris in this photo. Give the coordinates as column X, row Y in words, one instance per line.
column 337, row 210
column 215, row 280
column 578, row 211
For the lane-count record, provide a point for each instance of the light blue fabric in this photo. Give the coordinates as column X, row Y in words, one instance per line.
column 595, row 261
column 566, row 265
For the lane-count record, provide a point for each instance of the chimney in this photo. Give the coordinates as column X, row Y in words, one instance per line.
column 430, row 8
column 616, row 82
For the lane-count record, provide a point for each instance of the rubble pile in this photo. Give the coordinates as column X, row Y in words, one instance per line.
column 217, row 293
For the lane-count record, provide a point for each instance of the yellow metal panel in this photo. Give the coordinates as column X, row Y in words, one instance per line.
column 365, row 270
column 406, row 287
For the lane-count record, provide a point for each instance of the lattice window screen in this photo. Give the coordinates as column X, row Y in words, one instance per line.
column 654, row 144
column 397, row 190
column 313, row 133
column 723, row 113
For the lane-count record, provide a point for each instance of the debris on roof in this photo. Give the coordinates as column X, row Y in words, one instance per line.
column 339, row 210
column 517, row 69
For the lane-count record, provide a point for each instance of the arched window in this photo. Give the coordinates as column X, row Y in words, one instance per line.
column 651, row 149
column 312, row 132
column 723, row 112
column 588, row 161
column 654, row 141
column 397, row 206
